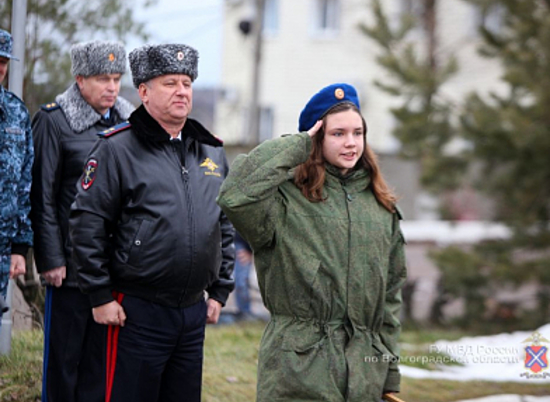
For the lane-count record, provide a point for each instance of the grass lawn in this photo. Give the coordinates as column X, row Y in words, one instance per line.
column 231, row 355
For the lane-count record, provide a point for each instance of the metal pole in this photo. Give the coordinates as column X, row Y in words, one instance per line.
column 17, row 72
column 7, row 323
column 257, row 27
column 17, row 68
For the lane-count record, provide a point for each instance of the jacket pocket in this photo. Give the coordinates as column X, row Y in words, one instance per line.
column 303, row 287
column 302, row 362
column 138, row 243
column 379, row 364
column 303, row 341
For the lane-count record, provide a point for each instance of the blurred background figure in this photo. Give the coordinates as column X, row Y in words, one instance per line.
column 243, row 266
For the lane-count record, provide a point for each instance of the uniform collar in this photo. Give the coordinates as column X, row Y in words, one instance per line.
column 356, row 180
column 148, row 128
column 80, row 115
column 2, row 98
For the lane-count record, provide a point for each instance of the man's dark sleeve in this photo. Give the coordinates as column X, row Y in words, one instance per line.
column 225, row 283
column 46, row 177
column 93, row 213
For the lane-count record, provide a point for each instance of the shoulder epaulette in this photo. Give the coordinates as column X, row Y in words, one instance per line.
column 14, row 96
column 115, row 129
column 48, row 107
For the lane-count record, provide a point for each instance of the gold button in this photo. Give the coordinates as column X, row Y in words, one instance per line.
column 339, row 93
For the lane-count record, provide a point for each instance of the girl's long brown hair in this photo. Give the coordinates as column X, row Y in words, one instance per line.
column 309, row 177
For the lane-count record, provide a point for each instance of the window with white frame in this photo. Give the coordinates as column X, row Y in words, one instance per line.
column 266, row 123
column 326, row 16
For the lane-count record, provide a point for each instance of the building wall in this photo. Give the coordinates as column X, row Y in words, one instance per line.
column 297, row 62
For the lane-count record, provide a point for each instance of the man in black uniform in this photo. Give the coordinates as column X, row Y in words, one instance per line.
column 64, row 132
column 149, row 238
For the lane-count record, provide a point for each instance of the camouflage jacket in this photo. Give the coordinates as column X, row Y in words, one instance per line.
column 16, row 158
column 330, row 274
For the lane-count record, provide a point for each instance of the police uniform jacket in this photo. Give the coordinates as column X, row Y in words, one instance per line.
column 330, row 273
column 145, row 221
column 16, row 158
column 64, row 133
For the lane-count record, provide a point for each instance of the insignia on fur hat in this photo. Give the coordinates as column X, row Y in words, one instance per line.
column 151, row 61
column 98, row 57
column 339, row 93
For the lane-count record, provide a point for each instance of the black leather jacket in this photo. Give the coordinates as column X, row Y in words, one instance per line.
column 60, row 153
column 144, row 225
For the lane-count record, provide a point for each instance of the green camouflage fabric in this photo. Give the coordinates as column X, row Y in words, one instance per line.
column 330, row 274
column 16, row 158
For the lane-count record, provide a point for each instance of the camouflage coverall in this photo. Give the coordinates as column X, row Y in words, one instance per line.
column 16, row 158
column 330, row 274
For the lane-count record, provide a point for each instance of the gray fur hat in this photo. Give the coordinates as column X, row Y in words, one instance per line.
column 150, row 61
column 98, row 57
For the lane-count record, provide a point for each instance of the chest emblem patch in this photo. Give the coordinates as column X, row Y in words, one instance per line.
column 14, row 130
column 210, row 168
column 89, row 174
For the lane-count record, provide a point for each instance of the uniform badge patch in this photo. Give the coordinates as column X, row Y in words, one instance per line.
column 89, row 174
column 211, row 167
column 14, row 130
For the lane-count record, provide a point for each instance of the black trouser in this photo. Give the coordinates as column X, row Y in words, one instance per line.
column 67, row 319
column 156, row 357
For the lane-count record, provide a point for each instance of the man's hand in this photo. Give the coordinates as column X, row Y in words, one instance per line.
column 111, row 313
column 55, row 276
column 214, row 309
column 316, row 127
column 17, row 266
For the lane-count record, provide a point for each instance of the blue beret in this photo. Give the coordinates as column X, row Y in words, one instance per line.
column 325, row 99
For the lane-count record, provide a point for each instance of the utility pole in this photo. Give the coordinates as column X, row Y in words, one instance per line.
column 254, row 109
column 18, row 22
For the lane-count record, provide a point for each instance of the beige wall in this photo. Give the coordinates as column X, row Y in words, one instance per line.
column 297, row 63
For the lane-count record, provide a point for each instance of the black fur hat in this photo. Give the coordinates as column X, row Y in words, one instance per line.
column 150, row 61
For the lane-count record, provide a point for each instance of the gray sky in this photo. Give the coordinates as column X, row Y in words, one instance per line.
column 195, row 23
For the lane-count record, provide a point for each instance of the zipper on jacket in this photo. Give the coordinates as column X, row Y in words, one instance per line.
column 349, row 199
column 180, row 162
column 191, row 222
